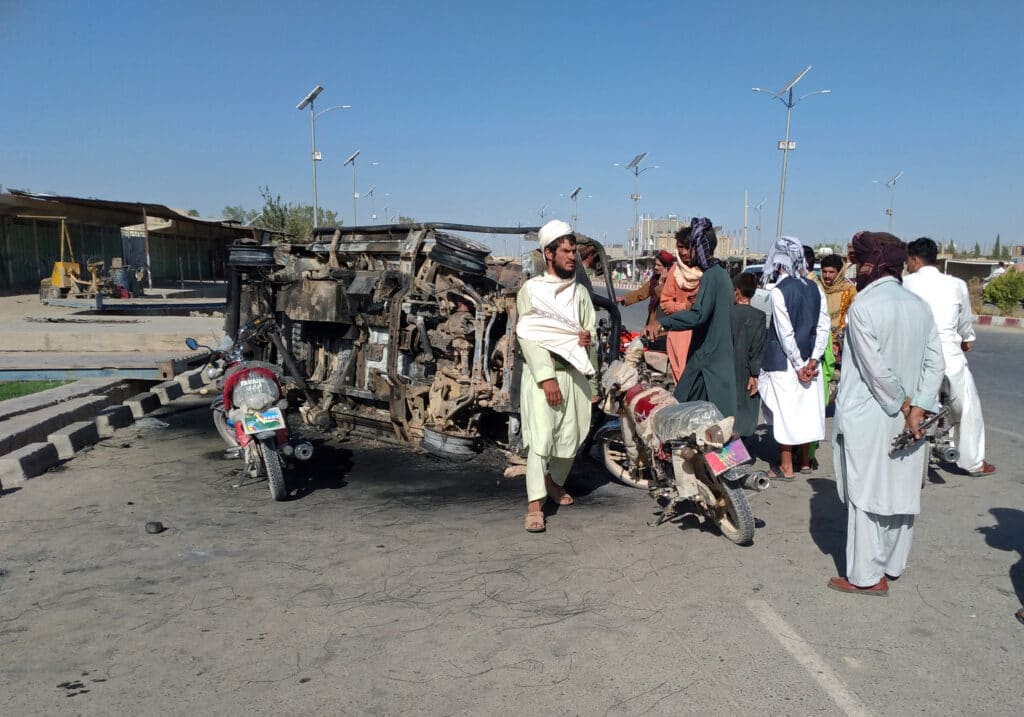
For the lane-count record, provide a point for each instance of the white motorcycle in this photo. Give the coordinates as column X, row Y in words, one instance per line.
column 682, row 453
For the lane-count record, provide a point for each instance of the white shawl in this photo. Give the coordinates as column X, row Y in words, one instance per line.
column 553, row 320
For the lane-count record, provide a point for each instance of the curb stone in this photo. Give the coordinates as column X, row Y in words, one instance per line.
column 111, row 418
column 28, row 462
column 168, row 391
column 71, row 439
column 143, row 403
column 1007, row 321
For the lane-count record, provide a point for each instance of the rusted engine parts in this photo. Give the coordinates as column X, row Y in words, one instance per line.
column 410, row 332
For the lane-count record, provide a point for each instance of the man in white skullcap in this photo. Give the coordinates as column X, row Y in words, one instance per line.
column 555, row 329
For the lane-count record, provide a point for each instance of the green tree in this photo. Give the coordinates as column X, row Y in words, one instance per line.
column 238, row 214
column 193, row 212
column 977, row 250
column 1006, row 254
column 402, row 219
column 997, row 250
column 295, row 220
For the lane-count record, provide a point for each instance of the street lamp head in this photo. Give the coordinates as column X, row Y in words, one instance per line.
column 575, row 193
column 352, row 158
column 310, row 97
column 636, row 160
column 369, row 192
column 789, row 85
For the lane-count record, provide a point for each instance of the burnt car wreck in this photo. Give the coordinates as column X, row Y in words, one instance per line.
column 399, row 332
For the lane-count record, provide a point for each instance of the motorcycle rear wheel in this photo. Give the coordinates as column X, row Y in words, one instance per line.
column 731, row 512
column 275, row 470
column 616, row 461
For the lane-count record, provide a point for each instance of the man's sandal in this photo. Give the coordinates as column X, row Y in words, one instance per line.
column 535, row 522
column 562, row 499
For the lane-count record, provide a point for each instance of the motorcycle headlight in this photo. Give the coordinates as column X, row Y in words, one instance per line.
column 255, row 393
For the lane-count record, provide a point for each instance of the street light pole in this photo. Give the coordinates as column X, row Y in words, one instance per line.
column 634, row 168
column 891, row 184
column 757, row 209
column 785, row 96
column 574, row 196
column 313, row 116
column 373, row 213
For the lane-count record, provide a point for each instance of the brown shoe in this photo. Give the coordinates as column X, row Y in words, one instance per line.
column 986, row 469
column 880, row 589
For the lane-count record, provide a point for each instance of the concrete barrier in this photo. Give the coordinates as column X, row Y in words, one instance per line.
column 27, row 462
column 168, row 391
column 111, row 418
column 143, row 403
column 71, row 439
column 36, row 426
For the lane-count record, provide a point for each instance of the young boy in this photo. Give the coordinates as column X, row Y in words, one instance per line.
column 748, row 335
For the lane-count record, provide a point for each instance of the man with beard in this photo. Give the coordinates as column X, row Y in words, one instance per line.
column 951, row 307
column 555, row 329
column 679, row 293
column 709, row 374
column 894, row 369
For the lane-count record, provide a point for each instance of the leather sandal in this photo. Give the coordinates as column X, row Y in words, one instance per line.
column 535, row 522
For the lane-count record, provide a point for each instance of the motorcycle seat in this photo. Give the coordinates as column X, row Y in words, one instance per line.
column 681, row 419
column 657, row 361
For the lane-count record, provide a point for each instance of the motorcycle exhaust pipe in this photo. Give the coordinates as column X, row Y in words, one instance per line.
column 303, row 451
column 758, row 480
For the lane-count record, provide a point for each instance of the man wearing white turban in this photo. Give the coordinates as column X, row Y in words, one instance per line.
column 555, row 329
column 790, row 383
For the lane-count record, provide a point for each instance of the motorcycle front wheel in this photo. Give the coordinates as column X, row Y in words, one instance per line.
column 275, row 469
column 731, row 511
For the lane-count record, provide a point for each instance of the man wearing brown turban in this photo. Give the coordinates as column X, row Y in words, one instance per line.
column 891, row 378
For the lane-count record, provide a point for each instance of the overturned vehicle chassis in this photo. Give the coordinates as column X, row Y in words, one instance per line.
column 400, row 332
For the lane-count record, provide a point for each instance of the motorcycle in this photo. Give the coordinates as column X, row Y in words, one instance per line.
column 249, row 410
column 680, row 452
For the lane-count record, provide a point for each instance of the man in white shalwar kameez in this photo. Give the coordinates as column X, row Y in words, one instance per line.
column 893, row 369
column 951, row 307
column 790, row 384
column 554, row 328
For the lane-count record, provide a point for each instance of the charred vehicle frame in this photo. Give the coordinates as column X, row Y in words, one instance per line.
column 402, row 332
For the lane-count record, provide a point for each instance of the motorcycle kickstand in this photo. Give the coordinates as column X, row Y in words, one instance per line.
column 664, row 515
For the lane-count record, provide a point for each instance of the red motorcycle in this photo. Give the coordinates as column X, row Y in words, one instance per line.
column 249, row 412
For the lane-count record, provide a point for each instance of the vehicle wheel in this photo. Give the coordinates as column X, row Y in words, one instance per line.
column 616, row 460
column 220, row 422
column 275, row 469
column 457, row 260
column 461, row 244
column 732, row 512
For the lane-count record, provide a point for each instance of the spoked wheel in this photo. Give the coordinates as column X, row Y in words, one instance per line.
column 275, row 469
column 730, row 510
column 616, row 460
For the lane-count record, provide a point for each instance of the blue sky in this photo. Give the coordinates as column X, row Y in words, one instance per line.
column 484, row 112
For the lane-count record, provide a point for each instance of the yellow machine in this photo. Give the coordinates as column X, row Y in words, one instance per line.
column 65, row 273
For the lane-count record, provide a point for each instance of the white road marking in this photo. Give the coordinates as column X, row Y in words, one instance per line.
column 817, row 668
column 1011, row 434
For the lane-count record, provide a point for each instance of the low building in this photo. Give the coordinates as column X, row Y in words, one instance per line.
column 169, row 243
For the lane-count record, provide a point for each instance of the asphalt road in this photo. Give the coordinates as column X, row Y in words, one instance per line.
column 395, row 583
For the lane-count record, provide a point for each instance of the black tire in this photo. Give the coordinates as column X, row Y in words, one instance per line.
column 458, row 261
column 733, row 515
column 613, row 452
column 460, row 244
column 274, row 468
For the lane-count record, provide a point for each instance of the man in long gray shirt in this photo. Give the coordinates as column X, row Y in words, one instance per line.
column 891, row 378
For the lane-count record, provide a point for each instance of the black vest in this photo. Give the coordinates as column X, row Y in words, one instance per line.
column 803, row 304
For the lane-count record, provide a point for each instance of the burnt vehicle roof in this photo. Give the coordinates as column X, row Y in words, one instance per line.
column 449, row 226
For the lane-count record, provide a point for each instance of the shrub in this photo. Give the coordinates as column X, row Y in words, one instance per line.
column 1006, row 291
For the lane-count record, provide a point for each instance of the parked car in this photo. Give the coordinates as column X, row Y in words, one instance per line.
column 402, row 332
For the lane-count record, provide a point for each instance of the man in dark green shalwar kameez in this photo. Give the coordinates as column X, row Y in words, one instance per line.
column 709, row 374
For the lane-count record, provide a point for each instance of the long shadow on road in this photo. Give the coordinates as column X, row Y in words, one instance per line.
column 1008, row 534
column 827, row 523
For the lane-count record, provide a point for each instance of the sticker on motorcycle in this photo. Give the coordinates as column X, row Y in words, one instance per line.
column 728, row 456
column 270, row 420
